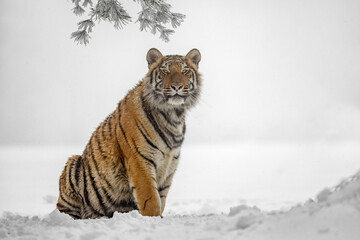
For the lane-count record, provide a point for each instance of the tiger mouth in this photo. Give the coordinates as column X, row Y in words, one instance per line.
column 176, row 99
column 178, row 95
column 175, row 96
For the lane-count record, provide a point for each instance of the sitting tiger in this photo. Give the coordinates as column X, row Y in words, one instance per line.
column 131, row 158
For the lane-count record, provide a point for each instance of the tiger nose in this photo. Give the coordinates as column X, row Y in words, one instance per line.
column 177, row 86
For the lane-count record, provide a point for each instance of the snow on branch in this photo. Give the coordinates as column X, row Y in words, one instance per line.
column 154, row 16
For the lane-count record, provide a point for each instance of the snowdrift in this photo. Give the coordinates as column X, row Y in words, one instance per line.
column 334, row 214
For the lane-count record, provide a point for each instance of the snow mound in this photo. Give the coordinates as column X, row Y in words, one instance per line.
column 335, row 214
column 347, row 190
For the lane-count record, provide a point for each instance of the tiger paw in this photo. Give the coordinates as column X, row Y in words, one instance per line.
column 151, row 207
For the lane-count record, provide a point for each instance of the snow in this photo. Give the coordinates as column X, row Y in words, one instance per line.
column 28, row 183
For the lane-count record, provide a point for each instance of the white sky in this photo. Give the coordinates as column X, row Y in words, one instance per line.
column 272, row 70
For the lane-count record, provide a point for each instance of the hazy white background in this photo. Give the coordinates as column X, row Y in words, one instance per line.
column 281, row 86
column 274, row 70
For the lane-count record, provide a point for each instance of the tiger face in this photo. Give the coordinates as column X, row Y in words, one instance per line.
column 173, row 80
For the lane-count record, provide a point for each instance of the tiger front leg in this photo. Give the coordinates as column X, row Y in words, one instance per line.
column 164, row 189
column 142, row 180
column 163, row 202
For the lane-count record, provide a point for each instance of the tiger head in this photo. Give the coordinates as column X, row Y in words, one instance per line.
column 173, row 81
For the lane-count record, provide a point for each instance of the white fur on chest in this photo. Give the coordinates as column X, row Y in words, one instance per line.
column 167, row 165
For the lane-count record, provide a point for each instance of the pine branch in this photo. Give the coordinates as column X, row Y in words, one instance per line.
column 81, row 37
column 155, row 14
column 78, row 11
column 86, row 3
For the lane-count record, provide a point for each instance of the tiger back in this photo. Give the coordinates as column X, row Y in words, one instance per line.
column 131, row 158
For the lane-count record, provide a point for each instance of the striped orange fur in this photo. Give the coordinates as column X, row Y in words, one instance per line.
column 131, row 158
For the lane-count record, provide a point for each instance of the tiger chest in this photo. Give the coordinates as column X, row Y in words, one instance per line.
column 170, row 136
column 167, row 165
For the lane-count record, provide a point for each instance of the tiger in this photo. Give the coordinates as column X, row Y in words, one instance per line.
column 131, row 158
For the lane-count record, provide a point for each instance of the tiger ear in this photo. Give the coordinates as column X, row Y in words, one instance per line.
column 195, row 56
column 152, row 56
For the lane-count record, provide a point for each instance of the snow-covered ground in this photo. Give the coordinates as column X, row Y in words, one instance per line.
column 221, row 191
